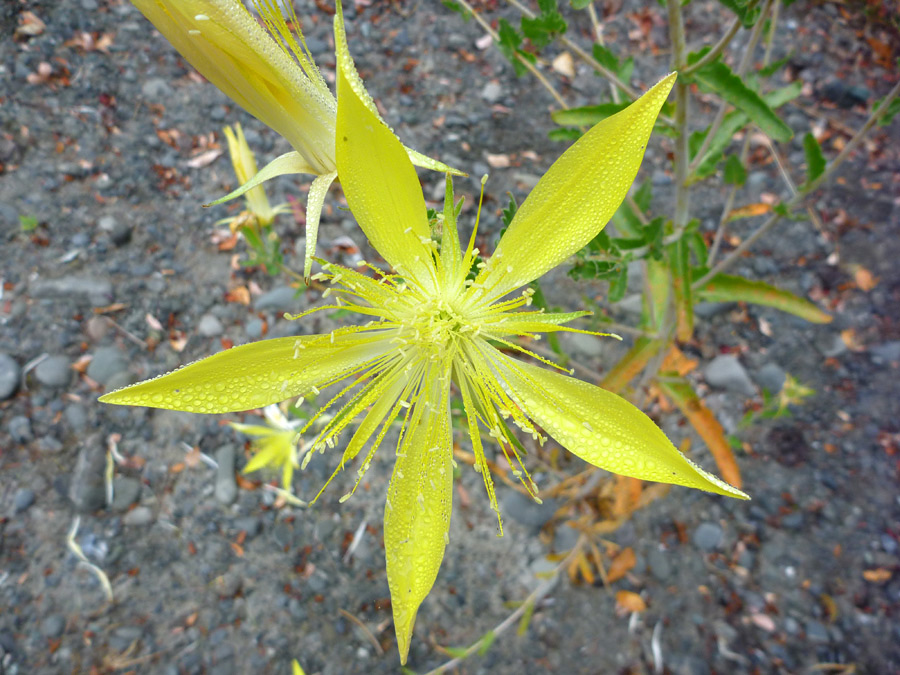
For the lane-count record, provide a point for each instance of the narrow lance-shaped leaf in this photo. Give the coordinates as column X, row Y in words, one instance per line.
column 681, row 287
column 727, row 288
column 706, row 425
column 815, row 160
column 718, row 77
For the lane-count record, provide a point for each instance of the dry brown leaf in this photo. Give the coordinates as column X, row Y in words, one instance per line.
column 203, row 159
column 676, row 361
column 749, row 211
column 629, row 601
column 29, row 26
column 851, row 339
column 178, row 340
column 153, row 322
column 621, row 564
column 878, row 575
column 239, row 294
column 864, row 279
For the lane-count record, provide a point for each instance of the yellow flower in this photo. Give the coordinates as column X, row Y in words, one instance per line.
column 431, row 330
column 277, row 444
column 270, row 73
column 244, row 163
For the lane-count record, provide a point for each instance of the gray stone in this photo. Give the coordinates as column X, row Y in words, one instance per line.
column 816, row 632
column 76, row 416
column 156, row 89
column 210, row 326
column 659, row 564
column 708, row 536
column 726, row 372
column 121, row 379
column 23, row 500
column 97, row 328
column 138, row 517
column 887, row 352
column 280, row 298
column 10, row 373
column 98, row 292
column 49, row 445
column 527, row 511
column 126, row 491
column 53, row 626
column 107, row 362
column 54, row 371
column 254, row 328
column 771, row 377
column 226, row 486
column 19, row 427
column 565, row 538
column 492, row 92
column 87, row 489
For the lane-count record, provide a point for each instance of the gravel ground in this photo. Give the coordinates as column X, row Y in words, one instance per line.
column 208, row 576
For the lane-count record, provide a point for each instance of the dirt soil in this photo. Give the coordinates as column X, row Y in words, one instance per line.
column 111, row 272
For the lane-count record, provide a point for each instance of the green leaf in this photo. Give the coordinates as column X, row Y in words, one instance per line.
column 679, row 260
column 459, row 9
column 456, row 652
column 547, row 25
column 746, row 10
column 727, row 288
column 618, row 285
column 815, row 160
column 626, row 220
column 509, row 212
column 508, row 43
column 580, row 4
column 28, row 223
column 486, row 642
column 735, row 173
column 734, row 122
column 719, row 78
column 773, row 68
column 529, row 610
column 587, row 115
column 605, row 57
column 564, row 134
column 892, row 110
column 656, row 300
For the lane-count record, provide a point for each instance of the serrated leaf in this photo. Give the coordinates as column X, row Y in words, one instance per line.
column 543, row 28
column 705, row 424
column 605, row 57
column 735, row 173
column 727, row 288
column 815, row 160
column 508, row 41
column 587, row 115
column 746, row 10
column 459, row 9
column 719, row 78
column 774, row 67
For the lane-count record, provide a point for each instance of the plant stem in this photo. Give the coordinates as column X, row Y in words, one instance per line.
column 525, row 62
column 679, row 57
column 581, row 53
column 742, row 68
column 803, row 190
column 533, row 598
column 717, row 49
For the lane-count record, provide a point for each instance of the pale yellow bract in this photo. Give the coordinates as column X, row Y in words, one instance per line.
column 430, row 331
column 270, row 73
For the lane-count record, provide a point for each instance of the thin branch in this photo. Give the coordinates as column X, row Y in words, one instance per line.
column 742, row 68
column 803, row 190
column 717, row 49
column 525, row 62
column 533, row 598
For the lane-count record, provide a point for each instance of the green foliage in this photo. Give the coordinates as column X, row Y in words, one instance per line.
column 815, row 160
column 746, row 10
column 719, row 78
column 580, row 4
column 727, row 288
column 28, row 223
column 587, row 115
column 542, row 29
column 458, row 8
column 509, row 42
column 735, row 173
column 892, row 110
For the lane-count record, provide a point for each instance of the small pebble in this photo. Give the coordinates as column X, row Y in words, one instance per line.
column 19, row 427
column 9, row 376
column 726, row 372
column 708, row 536
column 210, row 326
column 106, row 363
column 23, row 500
column 226, row 486
column 54, row 371
column 53, row 626
column 138, row 516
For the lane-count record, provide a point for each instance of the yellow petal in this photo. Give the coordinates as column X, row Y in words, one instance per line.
column 253, row 375
column 233, row 51
column 379, row 181
column 603, row 429
column 314, row 202
column 289, row 162
column 417, row 511
column 576, row 197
